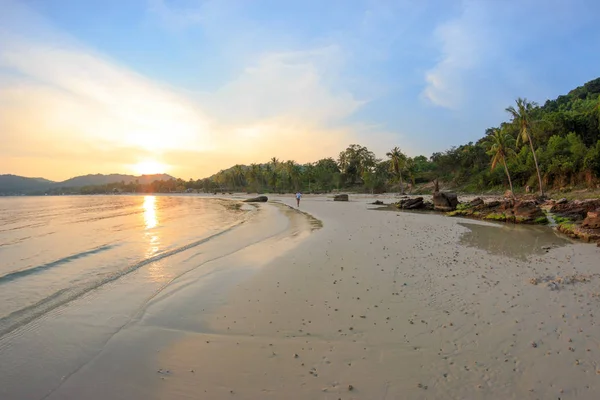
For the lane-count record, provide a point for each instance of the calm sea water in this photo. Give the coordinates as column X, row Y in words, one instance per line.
column 55, row 249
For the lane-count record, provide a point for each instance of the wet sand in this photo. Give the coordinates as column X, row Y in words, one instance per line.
column 373, row 305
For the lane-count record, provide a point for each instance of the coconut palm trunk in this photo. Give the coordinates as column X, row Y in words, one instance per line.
column 508, row 176
column 401, row 183
column 537, row 168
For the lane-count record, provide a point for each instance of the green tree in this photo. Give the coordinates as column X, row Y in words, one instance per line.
column 500, row 146
column 397, row 164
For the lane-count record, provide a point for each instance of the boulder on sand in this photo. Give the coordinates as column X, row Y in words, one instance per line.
column 259, row 199
column 443, row 201
column 411, row 204
column 592, row 220
column 340, row 197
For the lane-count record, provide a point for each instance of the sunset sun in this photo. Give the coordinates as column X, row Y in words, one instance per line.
column 149, row 167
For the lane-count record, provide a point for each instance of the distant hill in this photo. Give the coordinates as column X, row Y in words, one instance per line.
column 99, row 179
column 13, row 184
column 19, row 184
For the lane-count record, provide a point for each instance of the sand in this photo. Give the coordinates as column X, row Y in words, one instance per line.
column 372, row 305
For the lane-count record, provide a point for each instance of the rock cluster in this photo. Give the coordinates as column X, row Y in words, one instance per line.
column 507, row 210
column 415, row 203
column 340, row 197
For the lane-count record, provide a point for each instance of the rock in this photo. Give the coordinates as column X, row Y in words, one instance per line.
column 445, row 201
column 592, row 220
column 562, row 201
column 259, row 199
column 492, row 204
column 575, row 210
column 527, row 211
column 476, row 202
column 340, row 197
column 411, row 204
column 378, row 202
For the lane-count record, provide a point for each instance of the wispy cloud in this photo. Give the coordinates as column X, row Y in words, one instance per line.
column 465, row 42
column 74, row 102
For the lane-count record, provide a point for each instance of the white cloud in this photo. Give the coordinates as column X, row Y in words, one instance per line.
column 465, row 43
column 62, row 99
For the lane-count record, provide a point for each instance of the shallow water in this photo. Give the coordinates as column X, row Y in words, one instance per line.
column 55, row 249
column 511, row 240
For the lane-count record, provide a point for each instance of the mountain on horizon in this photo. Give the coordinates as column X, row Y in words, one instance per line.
column 14, row 184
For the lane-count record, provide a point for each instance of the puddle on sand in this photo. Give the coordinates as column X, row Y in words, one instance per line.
column 510, row 240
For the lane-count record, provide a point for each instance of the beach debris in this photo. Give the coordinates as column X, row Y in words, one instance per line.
column 534, row 345
column 350, row 387
column 296, row 355
column 554, row 282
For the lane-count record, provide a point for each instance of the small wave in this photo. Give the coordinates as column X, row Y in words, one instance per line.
column 11, row 276
column 26, row 315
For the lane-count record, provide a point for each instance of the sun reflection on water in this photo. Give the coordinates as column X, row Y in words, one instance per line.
column 150, row 212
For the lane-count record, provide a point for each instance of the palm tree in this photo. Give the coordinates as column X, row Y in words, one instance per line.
column 522, row 118
column 500, row 145
column 398, row 160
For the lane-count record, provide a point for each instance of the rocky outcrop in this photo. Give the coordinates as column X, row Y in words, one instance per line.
column 592, row 220
column 378, row 203
column 575, row 210
column 444, row 201
column 578, row 231
column 340, row 197
column 507, row 210
column 415, row 203
column 259, row 199
column 527, row 211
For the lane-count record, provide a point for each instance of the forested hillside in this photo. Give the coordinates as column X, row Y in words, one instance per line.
column 564, row 134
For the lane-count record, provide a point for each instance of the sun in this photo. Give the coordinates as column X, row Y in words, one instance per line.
column 149, row 167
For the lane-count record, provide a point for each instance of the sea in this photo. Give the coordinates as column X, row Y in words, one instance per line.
column 55, row 249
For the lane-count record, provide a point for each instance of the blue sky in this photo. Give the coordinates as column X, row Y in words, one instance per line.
column 193, row 86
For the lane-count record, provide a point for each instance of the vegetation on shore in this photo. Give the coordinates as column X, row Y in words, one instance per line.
column 553, row 146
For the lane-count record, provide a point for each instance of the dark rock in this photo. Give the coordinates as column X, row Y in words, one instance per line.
column 259, row 199
column 340, row 197
column 445, row 201
column 476, row 202
column 410, row 204
column 413, row 204
column 492, row 204
column 378, row 202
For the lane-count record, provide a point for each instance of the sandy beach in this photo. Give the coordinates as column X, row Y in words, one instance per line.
column 370, row 305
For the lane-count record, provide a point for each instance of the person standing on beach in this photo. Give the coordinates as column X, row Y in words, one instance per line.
column 298, row 196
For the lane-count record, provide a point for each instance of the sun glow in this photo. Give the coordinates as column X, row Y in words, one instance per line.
column 149, row 167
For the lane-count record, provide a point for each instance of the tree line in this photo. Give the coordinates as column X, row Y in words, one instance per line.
column 553, row 146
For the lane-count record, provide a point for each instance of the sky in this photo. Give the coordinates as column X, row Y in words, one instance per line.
column 189, row 87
